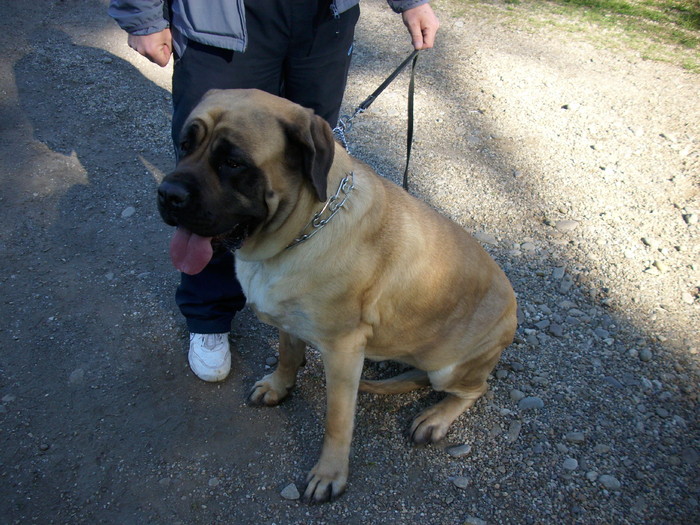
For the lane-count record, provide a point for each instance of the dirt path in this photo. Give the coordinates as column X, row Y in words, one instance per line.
column 579, row 170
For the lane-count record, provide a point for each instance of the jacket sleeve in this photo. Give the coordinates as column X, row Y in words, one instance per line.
column 139, row 17
column 399, row 6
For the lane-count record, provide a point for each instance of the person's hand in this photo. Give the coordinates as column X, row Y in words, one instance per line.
column 422, row 24
column 156, row 47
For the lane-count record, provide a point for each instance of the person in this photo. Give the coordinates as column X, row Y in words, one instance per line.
column 297, row 49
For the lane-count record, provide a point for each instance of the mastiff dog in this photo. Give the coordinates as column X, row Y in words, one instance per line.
column 338, row 258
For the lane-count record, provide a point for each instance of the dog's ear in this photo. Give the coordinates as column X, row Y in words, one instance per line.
column 314, row 140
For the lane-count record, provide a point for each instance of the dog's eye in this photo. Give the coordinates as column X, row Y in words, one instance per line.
column 231, row 164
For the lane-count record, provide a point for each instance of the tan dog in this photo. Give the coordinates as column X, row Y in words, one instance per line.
column 385, row 278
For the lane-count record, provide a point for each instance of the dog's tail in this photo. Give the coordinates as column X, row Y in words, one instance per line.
column 400, row 384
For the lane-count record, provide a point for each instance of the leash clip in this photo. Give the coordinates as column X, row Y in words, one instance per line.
column 345, row 126
column 345, row 122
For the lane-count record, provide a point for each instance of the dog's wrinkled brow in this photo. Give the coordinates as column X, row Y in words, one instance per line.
column 222, row 148
column 191, row 137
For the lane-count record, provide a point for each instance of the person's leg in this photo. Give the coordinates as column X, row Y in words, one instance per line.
column 210, row 299
column 316, row 69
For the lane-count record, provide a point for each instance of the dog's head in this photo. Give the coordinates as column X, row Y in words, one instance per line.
column 244, row 157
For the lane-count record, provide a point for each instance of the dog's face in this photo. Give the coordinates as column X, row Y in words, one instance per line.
column 244, row 154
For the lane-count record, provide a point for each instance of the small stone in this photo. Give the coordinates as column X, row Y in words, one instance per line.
column 528, row 247
column 661, row 266
column 290, row 492
column 459, row 451
column 271, row 361
column 601, row 449
column 640, row 505
column 460, row 482
column 566, row 225
column 591, row 475
column 76, row 376
column 531, row 403
column 44, row 447
column 566, row 285
column 516, row 395
column 540, row 380
column 517, row 367
column 690, row 456
column 502, row 374
column 214, row 482
column 601, row 333
column 543, row 324
column 652, row 270
column 558, row 273
column 572, row 320
column 662, row 412
column 556, row 330
column 691, row 218
column 570, row 464
column 575, row 437
column 651, row 243
column 645, row 355
column 472, row 520
column 128, row 212
column 687, row 298
column 613, row 382
column 164, row 482
column 8, row 398
column 514, row 431
column 610, row 482
column 485, row 238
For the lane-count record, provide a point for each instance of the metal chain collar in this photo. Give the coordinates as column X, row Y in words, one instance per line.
column 333, row 205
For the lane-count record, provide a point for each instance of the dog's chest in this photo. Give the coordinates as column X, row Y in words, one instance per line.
column 274, row 297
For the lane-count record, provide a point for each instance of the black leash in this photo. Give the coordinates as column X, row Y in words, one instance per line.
column 345, row 122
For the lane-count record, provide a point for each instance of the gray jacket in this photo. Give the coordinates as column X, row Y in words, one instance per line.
column 218, row 23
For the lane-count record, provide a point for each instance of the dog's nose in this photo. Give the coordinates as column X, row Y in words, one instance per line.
column 173, row 194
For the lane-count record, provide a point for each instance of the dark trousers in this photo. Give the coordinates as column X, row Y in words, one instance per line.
column 296, row 50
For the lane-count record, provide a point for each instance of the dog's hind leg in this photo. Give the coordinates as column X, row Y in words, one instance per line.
column 405, row 382
column 274, row 387
column 464, row 383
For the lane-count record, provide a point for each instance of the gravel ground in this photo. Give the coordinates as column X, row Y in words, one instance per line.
column 578, row 168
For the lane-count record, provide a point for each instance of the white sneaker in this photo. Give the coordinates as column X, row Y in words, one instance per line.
column 210, row 356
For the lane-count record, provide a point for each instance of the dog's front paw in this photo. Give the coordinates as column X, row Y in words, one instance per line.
column 269, row 391
column 325, row 483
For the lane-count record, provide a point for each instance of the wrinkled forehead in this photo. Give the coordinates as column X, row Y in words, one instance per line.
column 248, row 119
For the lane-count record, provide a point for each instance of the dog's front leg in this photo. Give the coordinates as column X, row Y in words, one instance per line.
column 274, row 387
column 328, row 478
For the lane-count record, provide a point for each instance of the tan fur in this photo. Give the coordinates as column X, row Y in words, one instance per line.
column 387, row 279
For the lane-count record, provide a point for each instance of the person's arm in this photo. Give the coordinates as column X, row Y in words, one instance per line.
column 422, row 25
column 147, row 25
column 156, row 47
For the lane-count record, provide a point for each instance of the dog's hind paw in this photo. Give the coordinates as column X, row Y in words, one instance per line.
column 424, row 431
column 431, row 425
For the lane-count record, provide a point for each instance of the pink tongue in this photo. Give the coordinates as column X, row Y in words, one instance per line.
column 189, row 252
